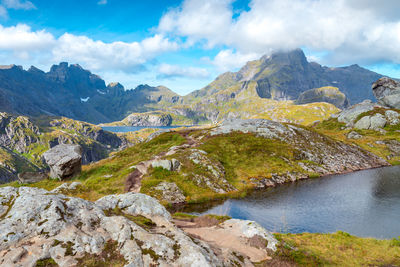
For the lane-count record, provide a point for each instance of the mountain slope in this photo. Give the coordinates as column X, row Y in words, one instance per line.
column 285, row 75
column 70, row 91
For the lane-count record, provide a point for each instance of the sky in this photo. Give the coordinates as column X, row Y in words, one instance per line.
column 184, row 45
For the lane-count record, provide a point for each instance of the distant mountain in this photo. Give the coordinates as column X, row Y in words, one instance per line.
column 73, row 92
column 70, row 91
column 285, row 75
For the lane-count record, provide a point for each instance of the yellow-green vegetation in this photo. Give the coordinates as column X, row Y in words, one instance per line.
column 138, row 219
column 371, row 140
column 108, row 176
column 137, row 136
column 337, row 249
column 248, row 105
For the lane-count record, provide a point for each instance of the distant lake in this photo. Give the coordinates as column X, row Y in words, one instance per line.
column 125, row 129
column 364, row 203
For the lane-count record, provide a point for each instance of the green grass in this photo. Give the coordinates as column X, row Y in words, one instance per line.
column 337, row 249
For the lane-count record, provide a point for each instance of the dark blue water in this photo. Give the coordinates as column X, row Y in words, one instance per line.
column 125, row 129
column 365, row 203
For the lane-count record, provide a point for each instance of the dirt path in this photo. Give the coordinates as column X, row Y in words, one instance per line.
column 134, row 179
column 227, row 240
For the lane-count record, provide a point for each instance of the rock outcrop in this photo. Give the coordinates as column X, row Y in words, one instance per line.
column 31, row 177
column 134, row 229
column 148, row 119
column 327, row 94
column 387, row 91
column 326, row 155
column 65, row 161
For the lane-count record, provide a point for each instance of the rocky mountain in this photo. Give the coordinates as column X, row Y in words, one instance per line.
column 284, row 75
column 73, row 92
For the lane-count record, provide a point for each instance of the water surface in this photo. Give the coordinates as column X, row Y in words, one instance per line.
column 365, row 203
column 125, row 129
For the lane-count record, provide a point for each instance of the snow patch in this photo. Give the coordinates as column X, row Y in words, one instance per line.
column 85, row 99
column 101, row 92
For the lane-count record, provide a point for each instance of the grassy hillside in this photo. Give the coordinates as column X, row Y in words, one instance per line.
column 337, row 249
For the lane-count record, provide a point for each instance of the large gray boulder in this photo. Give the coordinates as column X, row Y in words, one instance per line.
column 65, row 161
column 350, row 115
column 387, row 91
column 326, row 94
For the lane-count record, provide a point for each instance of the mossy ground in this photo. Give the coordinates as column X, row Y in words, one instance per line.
column 337, row 249
column 339, row 131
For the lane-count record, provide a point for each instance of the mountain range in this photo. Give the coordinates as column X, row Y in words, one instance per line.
column 73, row 92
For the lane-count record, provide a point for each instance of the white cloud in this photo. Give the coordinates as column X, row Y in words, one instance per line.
column 168, row 71
column 97, row 55
column 21, row 38
column 18, row 4
column 227, row 60
column 41, row 46
column 355, row 30
column 102, row 2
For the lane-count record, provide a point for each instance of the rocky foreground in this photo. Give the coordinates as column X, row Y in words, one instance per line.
column 41, row 227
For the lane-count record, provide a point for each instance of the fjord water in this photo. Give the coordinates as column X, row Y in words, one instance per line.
column 125, row 129
column 364, row 203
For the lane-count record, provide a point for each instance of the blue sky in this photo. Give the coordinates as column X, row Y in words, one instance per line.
column 184, row 45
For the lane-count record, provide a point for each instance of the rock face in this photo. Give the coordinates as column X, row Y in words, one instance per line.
column 36, row 225
column 169, row 192
column 371, row 122
column 327, row 94
column 148, row 119
column 327, row 156
column 65, row 161
column 31, row 177
column 387, row 91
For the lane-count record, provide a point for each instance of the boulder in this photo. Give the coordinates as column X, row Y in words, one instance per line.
column 31, row 177
column 163, row 163
column 374, row 122
column 349, row 115
column 363, row 123
column 65, row 161
column 170, row 165
column 392, row 117
column 387, row 91
column 354, row 135
column 169, row 192
column 378, row 121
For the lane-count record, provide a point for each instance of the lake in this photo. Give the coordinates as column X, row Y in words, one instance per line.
column 365, row 203
column 125, row 129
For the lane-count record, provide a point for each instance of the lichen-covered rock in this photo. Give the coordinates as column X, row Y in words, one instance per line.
column 392, row 117
column 354, row 135
column 374, row 122
column 162, row 163
column 169, row 192
column 31, row 177
column 36, row 225
column 249, row 229
column 350, row 115
column 65, row 161
column 387, row 91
